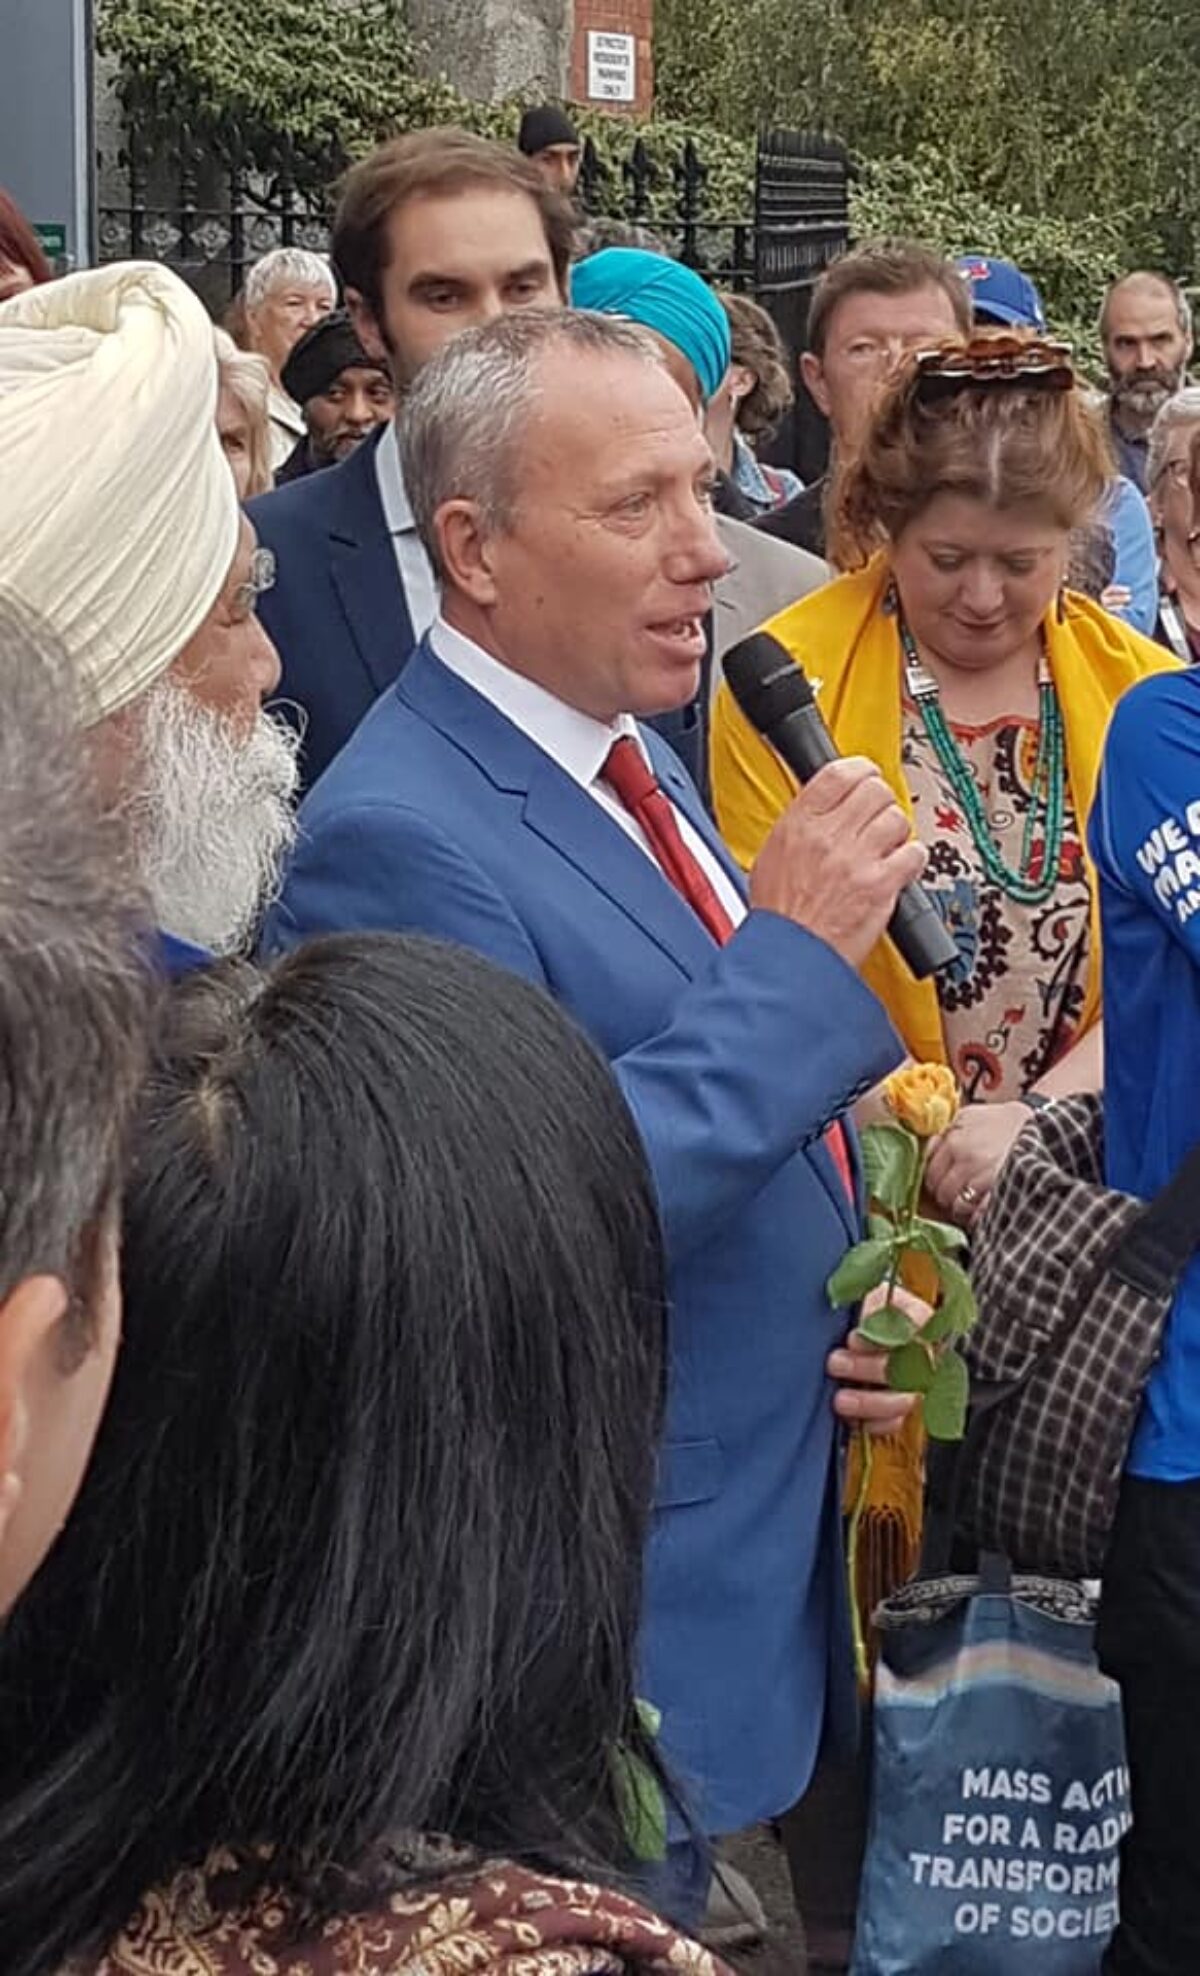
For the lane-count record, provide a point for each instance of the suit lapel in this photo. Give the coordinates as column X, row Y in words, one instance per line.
column 556, row 809
column 571, row 821
column 362, row 561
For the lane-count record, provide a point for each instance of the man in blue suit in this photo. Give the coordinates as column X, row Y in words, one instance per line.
column 434, row 232
column 503, row 795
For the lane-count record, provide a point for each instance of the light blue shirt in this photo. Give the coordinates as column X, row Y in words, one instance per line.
column 1126, row 514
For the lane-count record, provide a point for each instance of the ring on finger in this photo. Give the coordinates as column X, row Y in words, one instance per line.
column 968, row 1195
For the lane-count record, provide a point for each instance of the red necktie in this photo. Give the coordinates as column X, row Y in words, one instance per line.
column 630, row 776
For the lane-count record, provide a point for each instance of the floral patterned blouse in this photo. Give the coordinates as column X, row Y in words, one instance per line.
column 1011, row 1007
column 495, row 1920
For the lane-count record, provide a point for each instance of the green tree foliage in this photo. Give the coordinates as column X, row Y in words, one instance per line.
column 331, row 81
column 1066, row 131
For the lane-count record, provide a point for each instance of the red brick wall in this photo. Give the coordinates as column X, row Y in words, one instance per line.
column 634, row 17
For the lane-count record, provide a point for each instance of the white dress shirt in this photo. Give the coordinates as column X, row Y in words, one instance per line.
column 579, row 744
column 416, row 571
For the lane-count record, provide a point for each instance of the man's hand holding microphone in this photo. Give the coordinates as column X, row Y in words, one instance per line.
column 842, row 862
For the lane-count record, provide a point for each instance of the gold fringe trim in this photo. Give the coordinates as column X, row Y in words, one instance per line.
column 889, row 1540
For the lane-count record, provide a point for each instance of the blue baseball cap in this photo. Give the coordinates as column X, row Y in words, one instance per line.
column 1001, row 293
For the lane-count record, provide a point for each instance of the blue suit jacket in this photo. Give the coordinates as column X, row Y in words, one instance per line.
column 337, row 613
column 339, row 617
column 442, row 817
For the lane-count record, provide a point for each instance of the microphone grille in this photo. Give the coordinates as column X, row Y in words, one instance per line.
column 765, row 680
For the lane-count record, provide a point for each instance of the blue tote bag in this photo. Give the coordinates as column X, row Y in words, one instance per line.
column 999, row 1793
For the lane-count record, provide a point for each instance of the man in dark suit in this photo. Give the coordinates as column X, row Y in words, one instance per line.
column 434, row 232
column 505, row 794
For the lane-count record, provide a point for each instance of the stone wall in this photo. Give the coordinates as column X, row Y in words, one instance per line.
column 492, row 48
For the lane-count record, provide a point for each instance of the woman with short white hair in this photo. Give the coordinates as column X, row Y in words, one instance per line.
column 286, row 292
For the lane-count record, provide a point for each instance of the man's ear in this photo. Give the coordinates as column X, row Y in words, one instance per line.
column 28, row 1316
column 366, row 325
column 812, row 372
column 465, row 550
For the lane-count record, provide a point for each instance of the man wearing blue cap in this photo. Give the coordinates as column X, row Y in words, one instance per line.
column 1002, row 295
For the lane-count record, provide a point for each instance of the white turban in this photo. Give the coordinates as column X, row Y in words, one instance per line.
column 118, row 509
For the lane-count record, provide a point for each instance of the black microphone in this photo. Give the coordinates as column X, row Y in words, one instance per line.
column 774, row 694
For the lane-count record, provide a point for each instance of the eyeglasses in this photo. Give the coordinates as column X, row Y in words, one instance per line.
column 262, row 578
column 1176, row 471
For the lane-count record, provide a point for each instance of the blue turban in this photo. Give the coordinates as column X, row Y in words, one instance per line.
column 662, row 295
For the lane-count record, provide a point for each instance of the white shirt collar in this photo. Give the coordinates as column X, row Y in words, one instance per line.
column 579, row 744
column 397, row 509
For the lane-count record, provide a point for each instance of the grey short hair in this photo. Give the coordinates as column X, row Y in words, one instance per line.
column 469, row 404
column 285, row 264
column 1181, row 408
column 75, row 969
column 1183, row 307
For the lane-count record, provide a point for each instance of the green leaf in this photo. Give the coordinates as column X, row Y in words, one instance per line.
column 938, row 1238
column 957, row 1303
column 649, row 1717
column 946, row 1400
column 643, row 1807
column 861, row 1269
column 937, row 1326
column 881, row 1228
column 910, row 1368
column 888, row 1327
column 890, row 1156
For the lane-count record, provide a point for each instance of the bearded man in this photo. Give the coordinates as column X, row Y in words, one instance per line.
column 1146, row 330
column 120, row 527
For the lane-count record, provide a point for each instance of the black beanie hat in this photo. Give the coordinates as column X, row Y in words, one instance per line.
column 545, row 126
column 322, row 354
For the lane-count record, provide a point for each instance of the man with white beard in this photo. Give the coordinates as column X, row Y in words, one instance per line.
column 119, row 524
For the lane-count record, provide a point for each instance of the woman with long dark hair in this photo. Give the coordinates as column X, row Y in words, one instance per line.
column 335, row 1659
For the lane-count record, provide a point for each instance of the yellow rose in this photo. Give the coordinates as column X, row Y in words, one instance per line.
column 923, row 1096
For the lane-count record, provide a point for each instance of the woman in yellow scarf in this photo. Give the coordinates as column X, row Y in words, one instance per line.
column 951, row 654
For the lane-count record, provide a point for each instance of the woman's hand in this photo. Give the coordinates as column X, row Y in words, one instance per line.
column 864, row 1398
column 965, row 1161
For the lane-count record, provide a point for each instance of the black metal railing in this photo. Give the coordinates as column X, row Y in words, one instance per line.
column 210, row 206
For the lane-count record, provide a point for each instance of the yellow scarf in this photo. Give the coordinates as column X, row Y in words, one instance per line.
column 848, row 646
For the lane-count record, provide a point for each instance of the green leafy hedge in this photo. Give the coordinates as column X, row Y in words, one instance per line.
column 1071, row 261
column 333, row 81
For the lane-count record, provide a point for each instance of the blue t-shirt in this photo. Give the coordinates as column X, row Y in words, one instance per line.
column 1145, row 840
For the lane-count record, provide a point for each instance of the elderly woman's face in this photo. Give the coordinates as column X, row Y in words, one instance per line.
column 976, row 581
column 1171, row 499
column 282, row 317
column 233, row 424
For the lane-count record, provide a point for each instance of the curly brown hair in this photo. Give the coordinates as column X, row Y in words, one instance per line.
column 1009, row 441
column 758, row 348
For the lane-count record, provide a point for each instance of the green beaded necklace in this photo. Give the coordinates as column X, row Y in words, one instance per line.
column 1047, row 799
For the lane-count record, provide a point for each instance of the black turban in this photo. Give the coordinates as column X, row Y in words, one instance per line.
column 322, row 354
